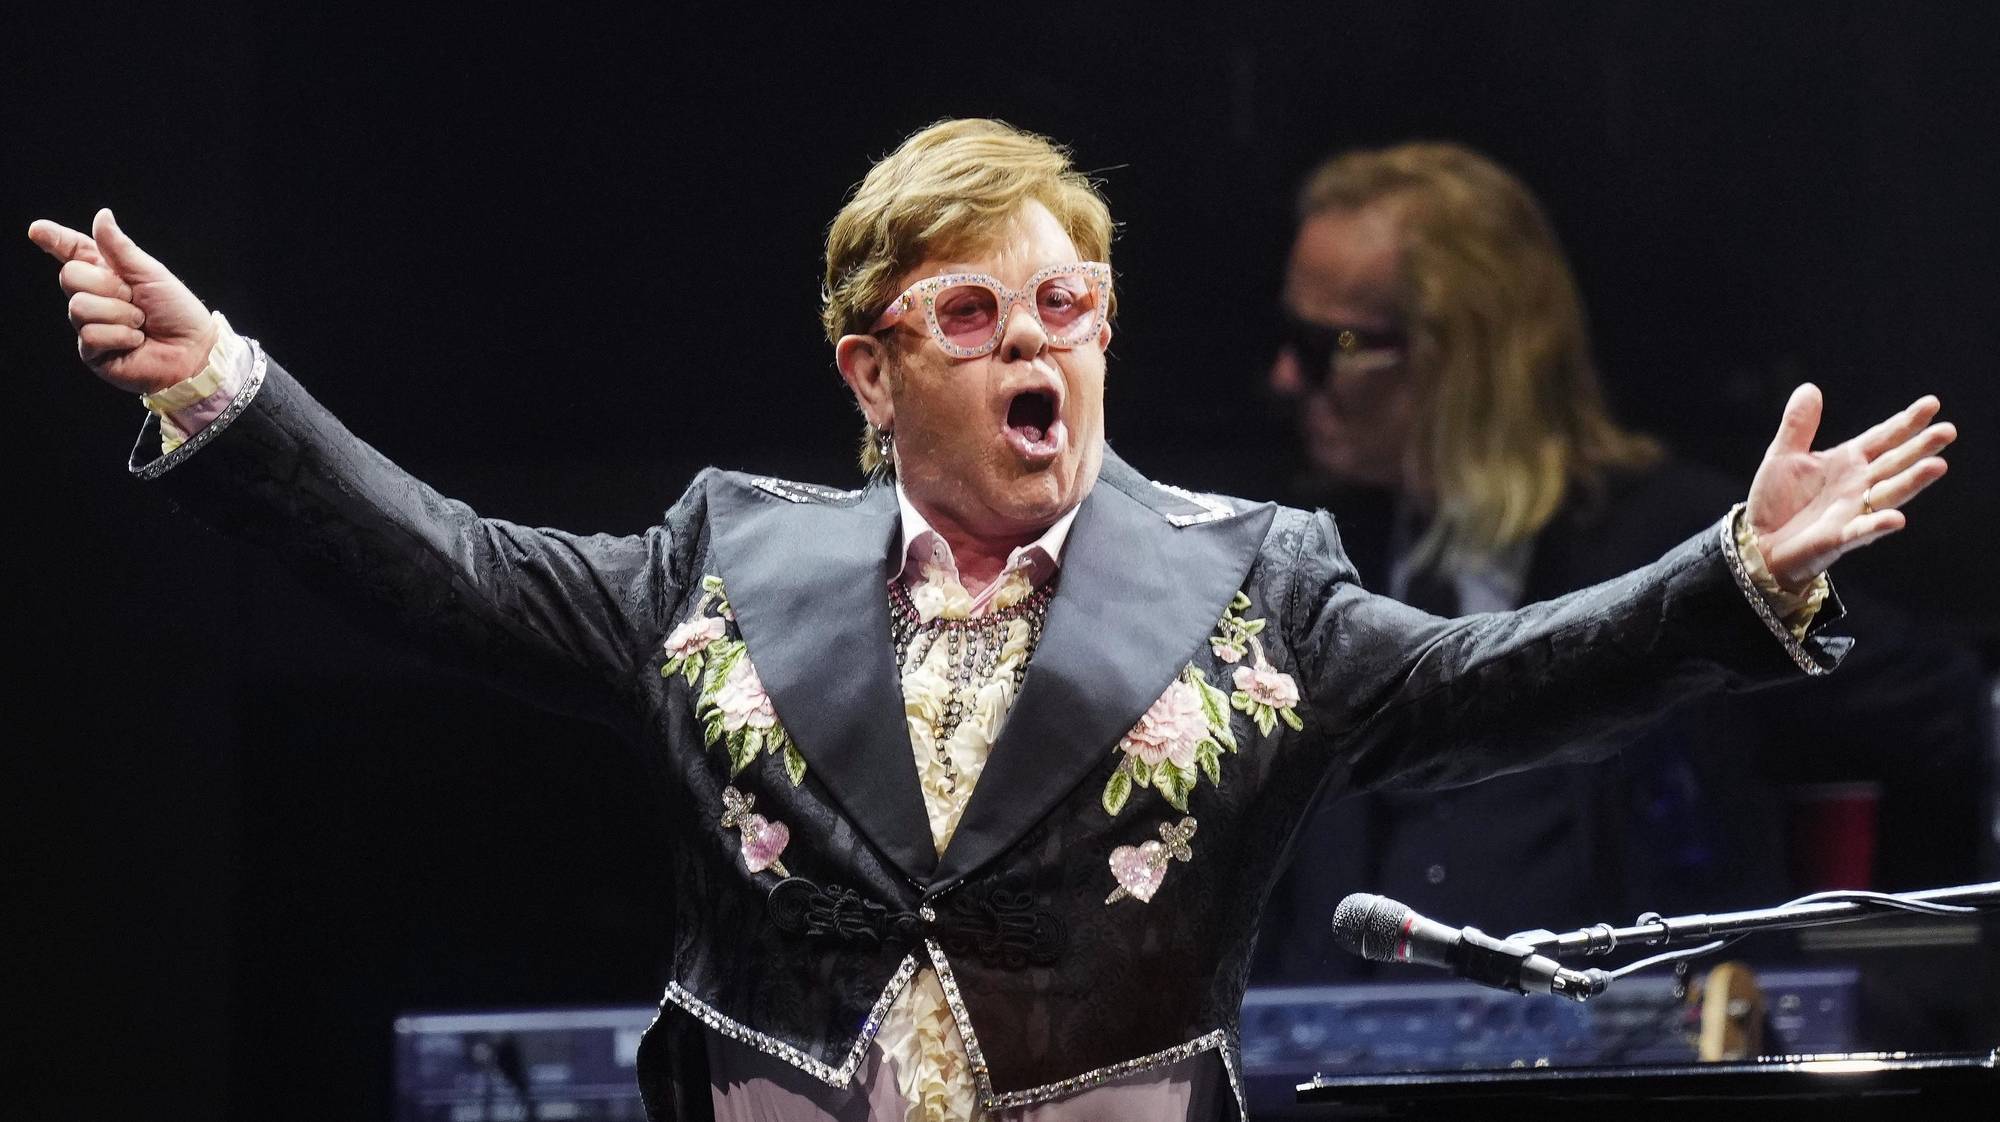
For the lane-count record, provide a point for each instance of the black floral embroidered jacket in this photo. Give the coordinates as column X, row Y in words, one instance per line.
column 1059, row 973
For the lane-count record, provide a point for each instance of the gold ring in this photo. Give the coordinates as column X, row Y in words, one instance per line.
column 1866, row 506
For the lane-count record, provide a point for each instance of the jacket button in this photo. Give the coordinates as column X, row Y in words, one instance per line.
column 1434, row 874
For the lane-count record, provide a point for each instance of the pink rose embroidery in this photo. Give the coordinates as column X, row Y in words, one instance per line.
column 1267, row 686
column 1179, row 739
column 694, row 635
column 742, row 699
column 1267, row 694
column 1170, row 729
column 735, row 712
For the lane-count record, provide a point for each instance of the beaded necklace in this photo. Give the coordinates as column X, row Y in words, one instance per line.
column 972, row 653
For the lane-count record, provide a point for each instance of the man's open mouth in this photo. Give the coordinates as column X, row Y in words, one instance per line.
column 1032, row 425
column 1033, row 413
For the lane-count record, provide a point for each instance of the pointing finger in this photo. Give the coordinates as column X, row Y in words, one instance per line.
column 63, row 243
column 87, row 308
column 123, row 254
column 76, row 276
column 1801, row 421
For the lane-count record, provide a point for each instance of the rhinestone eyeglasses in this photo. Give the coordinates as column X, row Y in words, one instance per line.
column 967, row 313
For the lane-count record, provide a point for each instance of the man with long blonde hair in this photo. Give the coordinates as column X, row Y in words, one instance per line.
column 1436, row 343
column 976, row 775
column 1438, row 364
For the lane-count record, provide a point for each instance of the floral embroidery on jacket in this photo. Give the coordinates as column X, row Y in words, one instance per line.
column 1266, row 693
column 1179, row 739
column 1182, row 736
column 730, row 701
column 1234, row 633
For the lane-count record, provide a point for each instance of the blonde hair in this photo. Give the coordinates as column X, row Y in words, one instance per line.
column 949, row 189
column 1509, row 412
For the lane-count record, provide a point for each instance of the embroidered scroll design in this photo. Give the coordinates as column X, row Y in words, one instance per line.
column 995, row 922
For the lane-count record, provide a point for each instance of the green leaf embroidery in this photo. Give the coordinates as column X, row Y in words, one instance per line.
column 795, row 764
column 1242, row 701
column 1212, row 708
column 1265, row 718
column 1173, row 783
column 1292, row 718
column 1239, row 601
column 1142, row 772
column 1208, row 754
column 723, row 656
column 693, row 668
column 1116, row 791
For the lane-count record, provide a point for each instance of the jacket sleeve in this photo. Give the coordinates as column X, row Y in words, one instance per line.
column 1407, row 699
column 558, row 618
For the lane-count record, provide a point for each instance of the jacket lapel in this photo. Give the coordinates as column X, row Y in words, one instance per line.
column 1139, row 593
column 807, row 573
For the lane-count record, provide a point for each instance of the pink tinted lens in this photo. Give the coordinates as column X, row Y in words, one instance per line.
column 1067, row 305
column 967, row 314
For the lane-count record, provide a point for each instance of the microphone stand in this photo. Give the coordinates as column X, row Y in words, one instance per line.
column 1654, row 930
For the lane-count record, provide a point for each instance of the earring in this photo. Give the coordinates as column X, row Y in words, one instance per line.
column 885, row 445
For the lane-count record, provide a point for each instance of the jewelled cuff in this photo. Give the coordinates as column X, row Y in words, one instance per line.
column 187, row 406
column 1216, row 1041
column 150, row 461
column 1799, row 609
column 770, row 1045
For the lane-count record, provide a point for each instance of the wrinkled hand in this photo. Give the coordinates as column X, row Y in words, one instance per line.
column 1810, row 508
column 137, row 326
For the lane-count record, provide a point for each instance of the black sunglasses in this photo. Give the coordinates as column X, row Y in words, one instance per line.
column 1318, row 344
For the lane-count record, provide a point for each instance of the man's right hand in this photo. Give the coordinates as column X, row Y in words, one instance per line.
column 137, row 326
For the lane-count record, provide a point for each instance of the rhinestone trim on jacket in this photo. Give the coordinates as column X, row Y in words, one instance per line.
column 193, row 444
column 801, row 492
column 771, row 1046
column 1212, row 510
column 1737, row 569
column 1217, row 1040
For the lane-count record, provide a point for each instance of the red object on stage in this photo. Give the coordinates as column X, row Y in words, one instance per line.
column 1833, row 835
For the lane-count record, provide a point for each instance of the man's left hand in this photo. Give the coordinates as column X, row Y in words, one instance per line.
column 1808, row 509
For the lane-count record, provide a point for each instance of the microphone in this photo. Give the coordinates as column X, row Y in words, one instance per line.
column 1383, row 930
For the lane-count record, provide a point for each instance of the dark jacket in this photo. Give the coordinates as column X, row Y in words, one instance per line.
column 1054, row 987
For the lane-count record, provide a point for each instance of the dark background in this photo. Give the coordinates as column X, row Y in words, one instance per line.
column 554, row 262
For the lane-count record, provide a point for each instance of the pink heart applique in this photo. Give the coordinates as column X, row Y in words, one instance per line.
column 1139, row 869
column 763, row 842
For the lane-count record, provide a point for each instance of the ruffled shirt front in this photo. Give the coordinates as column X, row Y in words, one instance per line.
column 919, row 1038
